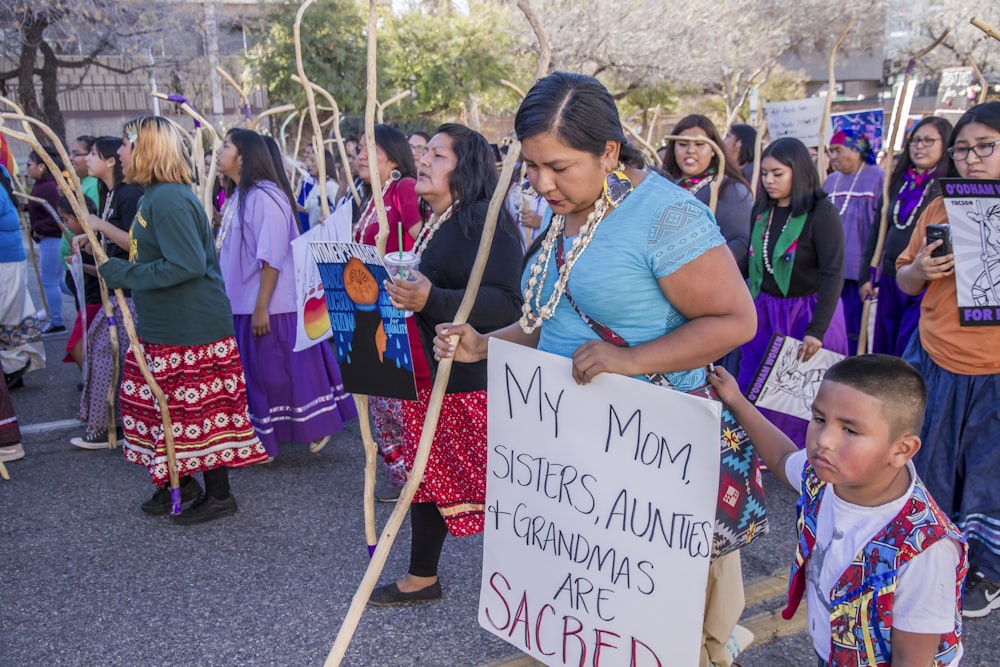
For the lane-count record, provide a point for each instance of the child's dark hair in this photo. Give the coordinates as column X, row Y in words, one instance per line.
column 65, row 207
column 893, row 382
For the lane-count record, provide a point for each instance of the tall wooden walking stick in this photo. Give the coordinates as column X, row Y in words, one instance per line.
column 758, row 142
column 984, row 86
column 830, row 85
column 317, row 139
column 883, row 224
column 985, row 27
column 75, row 197
column 247, row 110
column 271, row 112
column 392, row 526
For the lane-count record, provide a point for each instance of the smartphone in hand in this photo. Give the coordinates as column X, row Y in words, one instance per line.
column 939, row 232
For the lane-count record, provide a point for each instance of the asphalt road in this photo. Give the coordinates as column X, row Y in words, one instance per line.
column 86, row 579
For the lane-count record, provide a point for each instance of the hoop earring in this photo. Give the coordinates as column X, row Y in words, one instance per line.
column 396, row 175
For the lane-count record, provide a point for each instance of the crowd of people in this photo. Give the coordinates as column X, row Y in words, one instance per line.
column 587, row 219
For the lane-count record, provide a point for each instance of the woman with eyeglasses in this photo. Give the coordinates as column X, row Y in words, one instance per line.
column 959, row 458
column 911, row 188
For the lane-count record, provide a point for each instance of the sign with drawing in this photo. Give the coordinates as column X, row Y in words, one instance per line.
column 600, row 506
column 785, row 384
column 974, row 220
column 869, row 121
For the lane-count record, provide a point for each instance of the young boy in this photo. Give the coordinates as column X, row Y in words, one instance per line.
column 880, row 565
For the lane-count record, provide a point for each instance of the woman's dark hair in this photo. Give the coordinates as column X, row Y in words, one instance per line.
column 330, row 164
column 107, row 148
column 473, row 180
column 806, row 187
column 52, row 153
column 903, row 162
column 748, row 137
column 279, row 170
column 256, row 166
column 421, row 133
column 65, row 207
column 580, row 110
column 87, row 141
column 987, row 114
column 731, row 171
column 396, row 148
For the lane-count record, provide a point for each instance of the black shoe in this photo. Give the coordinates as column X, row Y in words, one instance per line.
column 206, row 509
column 53, row 329
column 981, row 595
column 160, row 502
column 387, row 494
column 13, row 380
column 100, row 441
column 388, row 595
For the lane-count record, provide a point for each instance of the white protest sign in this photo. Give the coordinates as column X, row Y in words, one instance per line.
column 600, row 508
column 312, row 319
column 799, row 119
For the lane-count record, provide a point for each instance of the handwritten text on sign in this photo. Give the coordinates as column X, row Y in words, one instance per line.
column 799, row 119
column 600, row 511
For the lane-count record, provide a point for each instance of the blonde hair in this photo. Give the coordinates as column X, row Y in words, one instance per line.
column 159, row 154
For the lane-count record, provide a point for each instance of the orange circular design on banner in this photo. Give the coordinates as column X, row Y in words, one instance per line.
column 359, row 282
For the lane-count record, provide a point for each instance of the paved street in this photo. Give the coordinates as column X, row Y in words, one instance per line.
column 88, row 580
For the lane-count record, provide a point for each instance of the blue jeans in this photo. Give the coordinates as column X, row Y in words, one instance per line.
column 52, row 269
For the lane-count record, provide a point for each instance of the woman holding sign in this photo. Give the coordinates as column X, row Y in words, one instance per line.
column 456, row 177
column 911, row 190
column 293, row 396
column 961, row 365
column 656, row 294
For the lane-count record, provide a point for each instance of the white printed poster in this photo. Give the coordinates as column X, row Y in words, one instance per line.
column 313, row 320
column 799, row 119
column 600, row 507
column 974, row 219
column 785, row 384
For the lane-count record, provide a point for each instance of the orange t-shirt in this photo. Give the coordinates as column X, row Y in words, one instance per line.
column 964, row 350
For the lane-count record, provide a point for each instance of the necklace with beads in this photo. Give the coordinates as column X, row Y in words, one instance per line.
column 427, row 231
column 532, row 317
column 850, row 193
column 909, row 218
column 767, row 240
column 370, row 215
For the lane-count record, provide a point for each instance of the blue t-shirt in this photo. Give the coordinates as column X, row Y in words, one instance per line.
column 11, row 246
column 658, row 229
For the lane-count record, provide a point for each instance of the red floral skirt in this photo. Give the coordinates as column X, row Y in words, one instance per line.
column 455, row 477
column 206, row 395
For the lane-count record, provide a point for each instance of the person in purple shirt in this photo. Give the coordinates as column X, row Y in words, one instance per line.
column 293, row 396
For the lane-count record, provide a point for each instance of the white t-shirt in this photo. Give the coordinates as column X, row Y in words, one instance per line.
column 924, row 600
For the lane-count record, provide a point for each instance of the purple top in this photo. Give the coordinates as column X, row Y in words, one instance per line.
column 856, row 198
column 263, row 235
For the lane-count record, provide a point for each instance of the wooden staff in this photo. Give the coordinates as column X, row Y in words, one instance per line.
column 720, row 156
column 984, row 87
column 757, row 144
column 270, row 112
column 827, row 108
column 883, row 225
column 282, row 129
column 544, row 50
column 517, row 89
column 338, row 137
column 313, row 116
column 388, row 103
column 985, row 27
column 416, row 475
column 247, row 112
column 76, row 202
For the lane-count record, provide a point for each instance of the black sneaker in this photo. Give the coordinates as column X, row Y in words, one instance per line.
column 981, row 595
column 160, row 502
column 98, row 441
column 206, row 509
column 13, row 380
column 387, row 493
column 53, row 329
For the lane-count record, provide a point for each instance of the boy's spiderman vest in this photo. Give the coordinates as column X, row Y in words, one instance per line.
column 861, row 601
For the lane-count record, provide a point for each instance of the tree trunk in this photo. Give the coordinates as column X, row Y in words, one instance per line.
column 26, row 67
column 50, row 92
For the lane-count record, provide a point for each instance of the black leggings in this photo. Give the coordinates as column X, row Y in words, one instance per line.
column 429, row 531
column 217, row 483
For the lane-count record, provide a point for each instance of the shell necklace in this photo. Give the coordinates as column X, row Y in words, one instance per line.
column 531, row 318
column 903, row 224
column 228, row 213
column 767, row 240
column 850, row 193
column 427, row 231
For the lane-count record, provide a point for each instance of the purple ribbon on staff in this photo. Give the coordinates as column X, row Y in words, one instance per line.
column 180, row 99
column 111, row 321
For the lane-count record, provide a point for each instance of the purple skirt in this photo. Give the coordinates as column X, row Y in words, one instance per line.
column 788, row 317
column 293, row 396
column 896, row 317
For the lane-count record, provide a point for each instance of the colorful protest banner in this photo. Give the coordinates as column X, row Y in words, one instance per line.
column 785, row 384
column 974, row 220
column 600, row 505
column 796, row 118
column 369, row 334
column 312, row 319
column 869, row 121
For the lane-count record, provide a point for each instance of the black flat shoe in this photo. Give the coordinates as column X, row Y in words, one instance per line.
column 13, row 380
column 206, row 509
column 160, row 502
column 388, row 595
